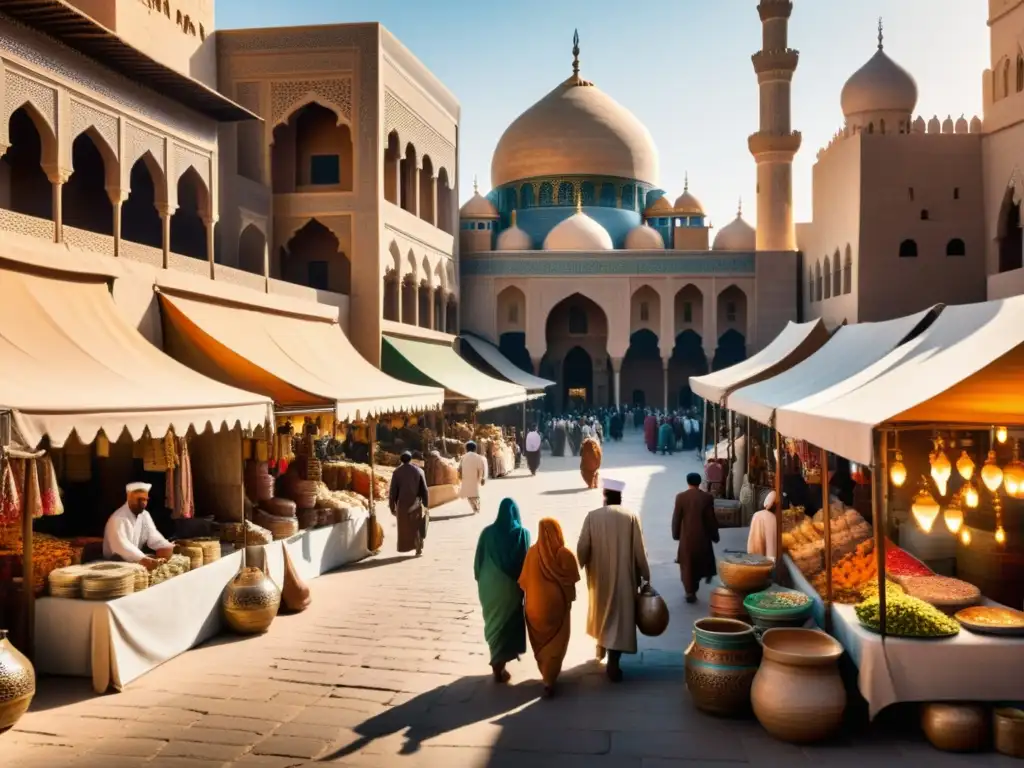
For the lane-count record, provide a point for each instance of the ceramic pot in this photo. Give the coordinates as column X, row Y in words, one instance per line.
column 294, row 592
column 720, row 666
column 746, row 573
column 1009, row 731
column 651, row 612
column 798, row 695
column 955, row 727
column 727, row 604
column 17, row 683
column 251, row 602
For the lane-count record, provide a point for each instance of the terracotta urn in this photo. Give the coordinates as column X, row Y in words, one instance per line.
column 798, row 695
column 720, row 666
column 251, row 602
column 17, row 683
column 954, row 727
column 727, row 604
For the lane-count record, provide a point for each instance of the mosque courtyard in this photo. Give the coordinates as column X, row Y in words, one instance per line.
column 388, row 667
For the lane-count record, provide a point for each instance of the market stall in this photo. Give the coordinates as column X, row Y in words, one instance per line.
column 477, row 349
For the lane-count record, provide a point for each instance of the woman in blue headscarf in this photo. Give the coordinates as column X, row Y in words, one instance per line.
column 500, row 553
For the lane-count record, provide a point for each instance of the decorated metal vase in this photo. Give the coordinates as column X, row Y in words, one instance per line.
column 251, row 602
column 721, row 663
column 17, row 683
column 651, row 612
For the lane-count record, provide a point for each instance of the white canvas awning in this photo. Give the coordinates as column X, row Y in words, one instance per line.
column 505, row 367
column 796, row 342
column 966, row 368
column 851, row 349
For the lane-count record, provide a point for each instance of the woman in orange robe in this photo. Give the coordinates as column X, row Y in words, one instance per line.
column 548, row 580
column 590, row 461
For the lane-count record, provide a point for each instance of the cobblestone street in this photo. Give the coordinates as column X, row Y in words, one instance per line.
column 389, row 668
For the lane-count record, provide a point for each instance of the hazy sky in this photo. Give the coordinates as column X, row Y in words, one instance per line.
column 681, row 66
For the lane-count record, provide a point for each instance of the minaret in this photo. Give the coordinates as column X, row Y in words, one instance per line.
column 775, row 143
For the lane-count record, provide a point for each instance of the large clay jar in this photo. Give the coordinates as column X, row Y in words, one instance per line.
column 251, row 602
column 727, row 604
column 17, row 683
column 956, row 727
column 720, row 666
column 798, row 695
column 294, row 592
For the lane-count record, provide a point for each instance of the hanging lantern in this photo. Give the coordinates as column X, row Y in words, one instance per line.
column 991, row 474
column 965, row 466
column 897, row 471
column 1013, row 474
column 954, row 518
column 1000, row 535
column 970, row 496
column 1001, row 434
column 925, row 509
column 941, row 468
column 965, row 537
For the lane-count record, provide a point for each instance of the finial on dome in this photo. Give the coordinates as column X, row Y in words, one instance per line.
column 579, row 202
column 576, row 52
column 476, row 186
column 739, row 209
column 686, row 181
column 512, row 218
column 879, row 33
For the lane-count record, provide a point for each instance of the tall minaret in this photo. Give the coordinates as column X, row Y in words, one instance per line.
column 775, row 143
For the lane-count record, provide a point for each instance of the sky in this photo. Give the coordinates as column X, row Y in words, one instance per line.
column 681, row 66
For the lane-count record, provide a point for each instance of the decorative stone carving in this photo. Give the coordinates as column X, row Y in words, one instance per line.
column 85, row 116
column 305, row 63
column 411, row 129
column 138, row 141
column 248, row 95
column 286, row 96
column 185, row 157
column 21, row 89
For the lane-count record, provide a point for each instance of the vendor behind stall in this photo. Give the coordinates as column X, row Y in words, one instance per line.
column 131, row 527
column 762, row 539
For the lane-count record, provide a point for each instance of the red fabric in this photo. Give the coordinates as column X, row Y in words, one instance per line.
column 651, row 433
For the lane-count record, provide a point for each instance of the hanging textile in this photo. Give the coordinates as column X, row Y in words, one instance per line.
column 33, row 497
column 10, row 497
column 48, row 488
column 185, row 505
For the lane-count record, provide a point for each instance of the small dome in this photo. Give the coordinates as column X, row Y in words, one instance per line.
column 961, row 125
column 881, row 85
column 919, row 125
column 736, row 236
column 975, row 125
column 579, row 232
column 478, row 206
column 934, row 126
column 686, row 203
column 660, row 207
column 514, row 238
column 644, row 238
column 947, row 125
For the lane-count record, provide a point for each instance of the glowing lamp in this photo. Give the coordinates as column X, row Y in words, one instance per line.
column 1001, row 434
column 941, row 470
column 970, row 497
column 1013, row 475
column 1000, row 535
column 965, row 466
column 925, row 510
column 897, row 471
column 991, row 474
column 965, row 537
column 954, row 518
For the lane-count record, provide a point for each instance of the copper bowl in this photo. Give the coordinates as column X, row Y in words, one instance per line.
column 746, row 573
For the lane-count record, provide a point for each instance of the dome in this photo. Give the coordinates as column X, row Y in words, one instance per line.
column 962, row 125
column 736, row 236
column 687, row 204
column 514, row 238
column 579, row 232
column 575, row 130
column 881, row 85
column 644, row 238
column 659, row 207
column 478, row 207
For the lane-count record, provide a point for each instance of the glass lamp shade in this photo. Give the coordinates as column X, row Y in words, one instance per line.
column 925, row 510
column 941, row 471
column 991, row 474
column 1013, row 479
column 1001, row 434
column 965, row 537
column 965, row 466
column 897, row 471
column 954, row 518
column 970, row 497
column 1000, row 535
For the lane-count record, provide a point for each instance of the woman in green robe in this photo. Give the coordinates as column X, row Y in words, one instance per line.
column 500, row 553
column 666, row 438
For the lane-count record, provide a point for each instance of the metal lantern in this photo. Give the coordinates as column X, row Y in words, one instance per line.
column 1001, row 434
column 954, row 517
column 965, row 466
column 971, row 496
column 925, row 509
column 941, row 468
column 965, row 537
column 897, row 471
column 1013, row 475
column 991, row 474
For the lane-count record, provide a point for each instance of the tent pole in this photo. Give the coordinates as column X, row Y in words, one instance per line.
column 750, row 452
column 826, row 515
column 778, row 500
column 714, row 436
column 879, row 496
column 371, row 430
column 703, row 450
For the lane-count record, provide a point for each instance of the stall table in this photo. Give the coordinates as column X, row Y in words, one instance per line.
column 967, row 667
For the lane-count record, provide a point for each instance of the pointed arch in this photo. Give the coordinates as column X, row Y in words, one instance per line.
column 85, row 201
column 848, row 270
column 827, row 278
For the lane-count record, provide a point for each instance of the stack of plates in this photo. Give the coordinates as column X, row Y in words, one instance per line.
column 141, row 576
column 67, row 582
column 279, row 527
column 108, row 581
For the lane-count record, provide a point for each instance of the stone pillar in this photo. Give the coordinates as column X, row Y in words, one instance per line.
column 432, row 307
column 209, row 222
column 401, row 299
column 433, row 200
column 415, row 305
column 414, row 192
column 165, row 231
column 58, row 178
column 397, row 172
column 266, row 266
column 117, row 198
column 664, row 379
column 617, row 380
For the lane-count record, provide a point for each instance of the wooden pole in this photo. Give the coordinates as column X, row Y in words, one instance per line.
column 730, row 452
column 371, row 433
column 826, row 514
column 879, row 493
column 714, row 435
column 703, row 450
column 778, row 499
column 749, row 443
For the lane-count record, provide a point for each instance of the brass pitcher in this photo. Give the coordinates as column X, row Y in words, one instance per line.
column 17, row 683
column 251, row 602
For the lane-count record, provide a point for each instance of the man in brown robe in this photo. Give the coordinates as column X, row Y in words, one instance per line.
column 695, row 528
column 611, row 548
column 408, row 500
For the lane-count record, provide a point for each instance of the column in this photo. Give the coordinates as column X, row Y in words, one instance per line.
column 415, row 304
column 165, row 231
column 617, row 380
column 57, row 179
column 414, row 191
column 664, row 379
column 210, row 223
column 397, row 173
column 117, row 198
column 266, row 266
column 433, row 200
column 401, row 297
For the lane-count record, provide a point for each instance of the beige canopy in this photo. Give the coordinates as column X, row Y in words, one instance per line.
column 493, row 356
column 796, row 342
column 299, row 361
column 851, row 349
column 966, row 368
column 71, row 363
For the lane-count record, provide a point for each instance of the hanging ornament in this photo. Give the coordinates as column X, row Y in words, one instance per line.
column 941, row 468
column 1001, row 434
column 897, row 471
column 991, row 474
column 954, row 517
column 965, row 466
column 965, row 537
column 1000, row 535
column 925, row 508
column 971, row 496
column 1013, row 474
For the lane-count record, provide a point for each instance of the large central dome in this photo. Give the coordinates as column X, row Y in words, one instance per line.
column 576, row 130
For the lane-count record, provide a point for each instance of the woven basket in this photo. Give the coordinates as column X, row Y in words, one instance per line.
column 279, row 527
column 231, row 532
column 264, row 487
column 141, row 576
column 67, row 582
column 210, row 547
column 307, row 519
column 107, row 581
column 193, row 552
column 314, row 471
column 255, row 535
column 279, row 507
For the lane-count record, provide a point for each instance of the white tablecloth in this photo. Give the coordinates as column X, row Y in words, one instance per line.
column 118, row 641
column 967, row 667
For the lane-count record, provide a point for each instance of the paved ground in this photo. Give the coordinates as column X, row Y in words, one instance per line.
column 389, row 668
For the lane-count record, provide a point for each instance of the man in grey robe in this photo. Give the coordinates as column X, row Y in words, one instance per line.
column 409, row 499
column 611, row 548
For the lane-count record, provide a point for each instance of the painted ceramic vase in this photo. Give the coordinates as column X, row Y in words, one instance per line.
column 720, row 666
column 251, row 602
column 798, row 695
column 17, row 683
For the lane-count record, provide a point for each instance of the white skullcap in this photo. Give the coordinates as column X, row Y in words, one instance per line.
column 138, row 488
column 769, row 500
column 613, row 485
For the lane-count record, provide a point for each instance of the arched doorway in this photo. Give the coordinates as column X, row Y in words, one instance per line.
column 312, row 151
column 188, row 231
column 578, row 380
column 85, row 202
column 24, row 187
column 687, row 360
column 732, row 349
column 642, row 369
column 140, row 219
column 252, row 247
column 1011, row 237
column 577, row 321
column 315, row 259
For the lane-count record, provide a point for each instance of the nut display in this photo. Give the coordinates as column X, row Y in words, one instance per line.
column 906, row 616
column 941, row 591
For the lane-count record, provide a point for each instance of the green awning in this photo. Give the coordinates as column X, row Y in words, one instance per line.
column 422, row 362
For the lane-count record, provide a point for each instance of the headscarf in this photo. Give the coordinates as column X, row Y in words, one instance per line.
column 557, row 563
column 507, row 539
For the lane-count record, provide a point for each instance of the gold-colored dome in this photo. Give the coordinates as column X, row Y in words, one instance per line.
column 575, row 130
column 686, row 204
column 478, row 206
column 660, row 207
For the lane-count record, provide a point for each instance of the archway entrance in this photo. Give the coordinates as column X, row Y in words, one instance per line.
column 578, row 325
column 642, row 371
column 687, row 360
column 578, row 379
column 732, row 349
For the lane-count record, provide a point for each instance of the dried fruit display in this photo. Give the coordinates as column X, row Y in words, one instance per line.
column 941, row 591
column 906, row 616
column 899, row 562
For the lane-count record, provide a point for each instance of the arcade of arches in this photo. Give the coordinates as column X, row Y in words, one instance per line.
column 412, row 298
column 650, row 372
column 416, row 184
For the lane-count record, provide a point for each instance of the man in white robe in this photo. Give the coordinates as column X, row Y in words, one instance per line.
column 611, row 548
column 473, row 475
column 131, row 527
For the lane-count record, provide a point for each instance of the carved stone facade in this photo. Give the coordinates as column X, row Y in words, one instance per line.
column 412, row 129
